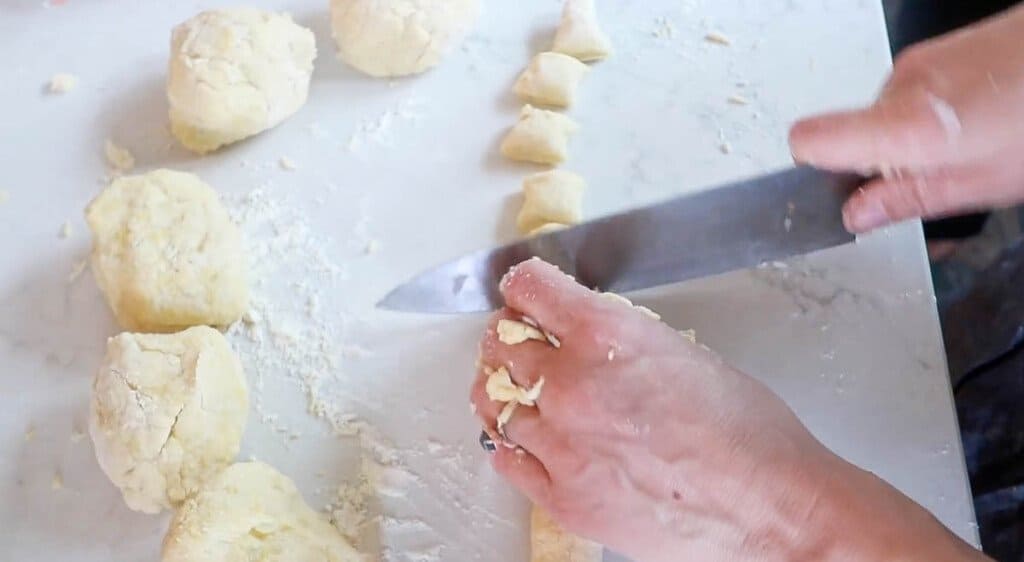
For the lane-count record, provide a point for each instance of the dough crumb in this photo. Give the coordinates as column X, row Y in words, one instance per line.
column 57, row 483
column 287, row 164
column 501, row 388
column 725, row 148
column 5, row 196
column 66, row 230
column 737, row 99
column 554, row 341
column 506, row 414
column 120, row 159
column 511, row 332
column 690, row 334
column 77, row 270
column 62, row 83
column 76, row 436
column 611, row 353
column 30, row 433
column 717, row 38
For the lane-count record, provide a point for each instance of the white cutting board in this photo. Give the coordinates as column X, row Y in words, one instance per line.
column 849, row 338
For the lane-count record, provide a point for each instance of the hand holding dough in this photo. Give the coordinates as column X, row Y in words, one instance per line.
column 555, row 196
column 167, row 413
column 387, row 38
column 551, row 79
column 579, row 35
column 251, row 512
column 166, row 254
column 235, row 73
column 540, row 136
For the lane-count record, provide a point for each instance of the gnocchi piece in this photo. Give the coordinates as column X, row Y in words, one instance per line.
column 166, row 254
column 551, row 543
column 540, row 136
column 235, row 73
column 551, row 79
column 579, row 34
column 555, row 196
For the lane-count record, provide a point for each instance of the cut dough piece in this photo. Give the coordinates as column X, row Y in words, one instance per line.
column 555, row 196
column 167, row 413
column 386, row 38
column 511, row 332
column 540, row 136
column 235, row 73
column 166, row 254
column 252, row 512
column 551, row 79
column 579, row 35
column 550, row 543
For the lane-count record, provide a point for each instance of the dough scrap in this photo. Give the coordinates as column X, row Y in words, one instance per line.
column 511, row 332
column 579, row 34
column 234, row 73
column 167, row 413
column 555, row 196
column 540, row 136
column 166, row 254
column 120, row 159
column 62, row 83
column 389, row 38
column 551, row 543
column 551, row 79
column 252, row 512
column 501, row 388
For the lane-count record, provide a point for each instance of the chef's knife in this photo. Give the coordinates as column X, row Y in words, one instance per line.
column 734, row 226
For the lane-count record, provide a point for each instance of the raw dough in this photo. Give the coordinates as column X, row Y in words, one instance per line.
column 555, row 196
column 550, row 543
column 62, row 83
column 551, row 79
column 540, row 136
column 501, row 388
column 167, row 413
column 511, row 332
column 166, row 254
column 386, row 38
column 235, row 73
column 579, row 35
column 251, row 512
column 119, row 158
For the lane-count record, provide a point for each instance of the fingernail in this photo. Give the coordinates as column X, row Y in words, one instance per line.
column 867, row 214
column 487, row 443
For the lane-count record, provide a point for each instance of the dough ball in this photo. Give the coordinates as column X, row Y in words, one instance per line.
column 551, row 79
column 167, row 413
column 550, row 543
column 555, row 196
column 579, row 35
column 166, row 254
column 252, row 512
column 235, row 73
column 540, row 136
column 386, row 38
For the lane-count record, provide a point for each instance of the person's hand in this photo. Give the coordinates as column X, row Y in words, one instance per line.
column 650, row 444
column 947, row 132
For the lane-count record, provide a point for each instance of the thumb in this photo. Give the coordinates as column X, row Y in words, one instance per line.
column 898, row 131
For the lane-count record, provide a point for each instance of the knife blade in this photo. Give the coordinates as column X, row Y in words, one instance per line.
column 733, row 226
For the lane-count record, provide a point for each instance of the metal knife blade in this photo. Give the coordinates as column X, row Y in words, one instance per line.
column 734, row 226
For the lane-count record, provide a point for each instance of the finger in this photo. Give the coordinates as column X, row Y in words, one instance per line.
column 899, row 131
column 545, row 294
column 528, row 429
column 523, row 471
column 485, row 408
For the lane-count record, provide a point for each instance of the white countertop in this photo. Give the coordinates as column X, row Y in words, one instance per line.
column 850, row 337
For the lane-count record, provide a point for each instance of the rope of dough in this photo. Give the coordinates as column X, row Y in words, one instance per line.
column 551, row 543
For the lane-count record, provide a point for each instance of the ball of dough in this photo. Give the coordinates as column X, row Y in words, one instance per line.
column 551, row 197
column 235, row 73
column 579, row 34
column 386, row 38
column 167, row 413
column 551, row 79
column 540, row 136
column 166, row 253
column 252, row 512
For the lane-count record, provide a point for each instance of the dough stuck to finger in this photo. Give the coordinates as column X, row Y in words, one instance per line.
column 551, row 543
column 540, row 136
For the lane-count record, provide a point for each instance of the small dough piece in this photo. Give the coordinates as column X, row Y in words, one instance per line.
column 540, row 136
column 167, row 413
column 388, row 38
column 501, row 388
column 119, row 158
column 579, row 35
column 166, row 254
column 235, row 73
column 511, row 332
column 555, row 196
column 551, row 543
column 62, row 83
column 551, row 79
column 252, row 512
